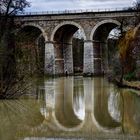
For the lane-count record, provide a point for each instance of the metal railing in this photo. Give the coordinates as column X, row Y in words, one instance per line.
column 74, row 11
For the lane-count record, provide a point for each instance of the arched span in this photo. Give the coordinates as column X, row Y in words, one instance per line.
column 39, row 27
column 67, row 23
column 62, row 36
column 101, row 23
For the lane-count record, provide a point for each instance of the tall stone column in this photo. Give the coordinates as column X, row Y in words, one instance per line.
column 88, row 58
column 49, row 58
column 63, row 58
column 97, row 54
column 105, row 59
column 59, row 58
column 68, row 58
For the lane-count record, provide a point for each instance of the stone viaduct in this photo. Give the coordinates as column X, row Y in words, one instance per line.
column 58, row 29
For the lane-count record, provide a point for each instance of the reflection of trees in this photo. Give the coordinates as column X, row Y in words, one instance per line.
column 17, row 118
column 131, row 112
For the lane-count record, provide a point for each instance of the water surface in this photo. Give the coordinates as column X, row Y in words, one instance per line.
column 72, row 107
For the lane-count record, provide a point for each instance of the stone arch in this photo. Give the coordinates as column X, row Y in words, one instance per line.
column 101, row 23
column 67, row 23
column 62, row 37
column 99, row 35
column 37, row 26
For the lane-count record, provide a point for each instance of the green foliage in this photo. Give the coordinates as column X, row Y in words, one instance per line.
column 130, row 76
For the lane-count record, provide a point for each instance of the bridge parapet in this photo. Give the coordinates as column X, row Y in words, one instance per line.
column 97, row 10
column 63, row 15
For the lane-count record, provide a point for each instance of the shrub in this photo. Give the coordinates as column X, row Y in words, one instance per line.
column 130, row 76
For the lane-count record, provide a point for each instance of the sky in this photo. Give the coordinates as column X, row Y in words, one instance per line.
column 61, row 5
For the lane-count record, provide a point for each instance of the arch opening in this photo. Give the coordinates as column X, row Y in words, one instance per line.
column 78, row 52
column 68, row 45
column 101, row 36
column 31, row 43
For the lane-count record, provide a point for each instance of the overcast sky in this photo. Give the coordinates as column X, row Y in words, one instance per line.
column 55, row 5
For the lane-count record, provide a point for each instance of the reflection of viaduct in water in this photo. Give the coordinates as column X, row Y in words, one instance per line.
column 80, row 105
column 58, row 30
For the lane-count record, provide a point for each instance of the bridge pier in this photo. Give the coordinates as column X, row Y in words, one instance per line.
column 63, row 58
column 105, row 58
column 68, row 58
column 92, row 58
column 58, row 58
column 49, row 58
column 59, row 61
column 88, row 58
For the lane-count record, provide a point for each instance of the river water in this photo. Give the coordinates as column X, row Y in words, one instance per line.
column 72, row 108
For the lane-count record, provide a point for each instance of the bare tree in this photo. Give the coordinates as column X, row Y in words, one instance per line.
column 8, row 8
column 137, row 10
column 12, row 7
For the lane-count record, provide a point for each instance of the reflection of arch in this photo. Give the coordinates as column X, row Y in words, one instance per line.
column 102, row 128
column 100, row 109
column 64, row 115
column 91, row 87
column 101, row 23
column 37, row 26
column 90, row 119
column 60, row 126
column 67, row 23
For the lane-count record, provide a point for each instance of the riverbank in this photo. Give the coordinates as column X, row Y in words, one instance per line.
column 129, row 84
column 132, row 84
column 125, row 84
